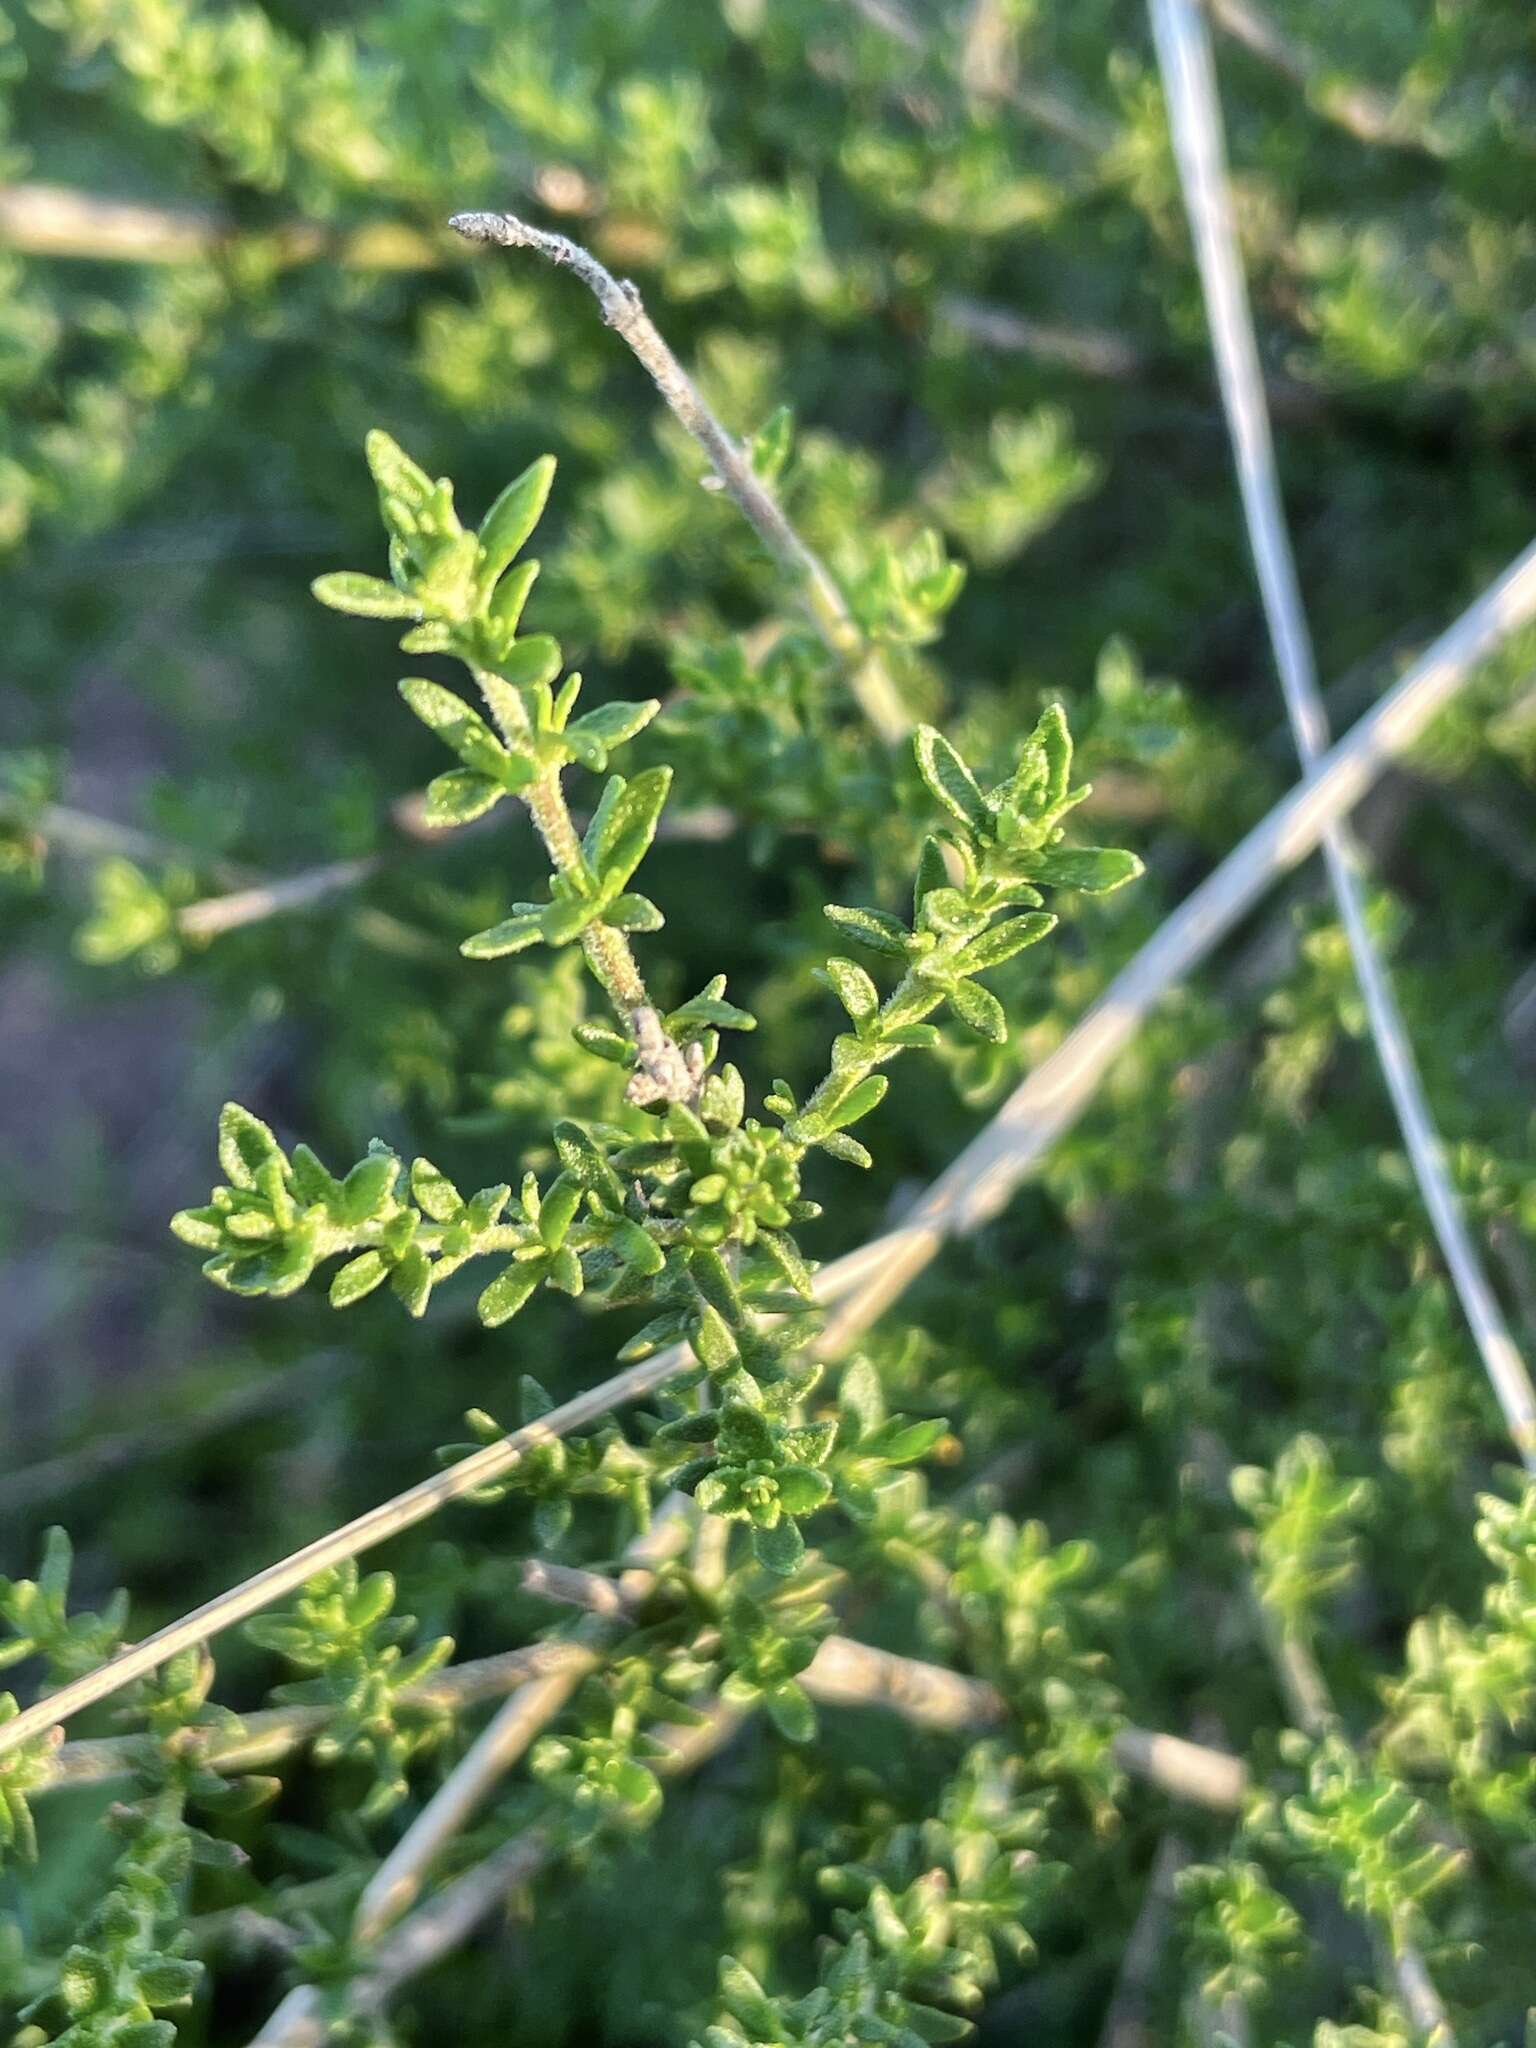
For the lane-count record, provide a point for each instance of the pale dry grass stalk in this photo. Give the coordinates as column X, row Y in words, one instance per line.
column 1361, row 110
column 1189, row 81
column 848, row 1673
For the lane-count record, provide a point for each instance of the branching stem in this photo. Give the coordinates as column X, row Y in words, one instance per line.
column 977, row 1183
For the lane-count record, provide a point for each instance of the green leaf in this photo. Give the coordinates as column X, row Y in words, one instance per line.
column 662, row 1330
column 245, row 1145
column 460, row 728
column 745, row 2000
column 411, row 1280
column 781, row 1549
column 855, row 991
column 808, row 1443
column 582, row 1159
column 507, row 708
column 638, row 1789
column 866, row 1095
column 624, row 825
column 936, row 2027
column 744, row 1432
column 872, row 928
column 711, row 1339
column 901, row 1441
column 1055, row 739
column 714, row 1280
column 949, row 780
column 509, row 1291
column 567, row 917
column 768, row 449
column 505, row 528
column 557, row 1212
column 849, row 1150
column 366, row 1188
column 551, row 1520
column 993, row 947
column 709, row 1007
column 167, row 1980
column 312, row 1182
column 459, row 796
column 979, row 1009
column 358, row 1277
column 861, row 1396
column 932, row 872
column 592, row 736
column 201, row 1228
column 393, row 470
column 605, row 1043
column 512, row 935
column 433, row 1192
column 788, row 1707
column 531, row 662
column 802, row 1489
column 633, row 913
column 1096, row 870
column 432, row 636
column 638, row 1249
column 84, row 1982
column 366, row 597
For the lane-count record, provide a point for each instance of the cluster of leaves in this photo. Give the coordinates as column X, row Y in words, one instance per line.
column 131, row 1964
column 342, row 1630
column 693, row 1221
column 919, row 1925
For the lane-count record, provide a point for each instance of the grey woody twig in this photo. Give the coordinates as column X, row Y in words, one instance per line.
column 620, row 304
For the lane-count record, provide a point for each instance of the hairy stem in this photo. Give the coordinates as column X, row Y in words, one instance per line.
column 663, row 1071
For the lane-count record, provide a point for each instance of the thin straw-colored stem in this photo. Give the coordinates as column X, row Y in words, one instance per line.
column 396, row 1884
column 1127, row 2022
column 620, row 305
column 847, row 1673
column 1360, row 110
column 273, row 1733
column 979, row 1182
column 59, row 220
column 1189, row 81
column 439, row 1926
column 972, row 1189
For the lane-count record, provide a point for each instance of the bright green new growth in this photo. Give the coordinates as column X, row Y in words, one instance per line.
column 694, row 1224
